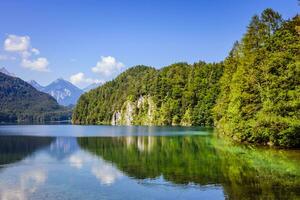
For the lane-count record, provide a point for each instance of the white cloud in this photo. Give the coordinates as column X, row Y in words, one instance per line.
column 35, row 51
column 22, row 46
column 39, row 64
column 77, row 78
column 16, row 43
column 108, row 66
column 25, row 54
column 80, row 79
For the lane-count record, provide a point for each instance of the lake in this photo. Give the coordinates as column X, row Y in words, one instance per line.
column 138, row 162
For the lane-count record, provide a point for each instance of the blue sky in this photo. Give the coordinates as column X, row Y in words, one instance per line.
column 90, row 41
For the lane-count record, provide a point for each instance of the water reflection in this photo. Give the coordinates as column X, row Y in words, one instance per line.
column 101, row 131
column 106, row 173
column 16, row 148
column 25, row 184
column 242, row 171
column 32, row 166
column 182, row 167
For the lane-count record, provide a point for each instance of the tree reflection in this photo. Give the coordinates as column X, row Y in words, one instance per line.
column 16, row 148
column 244, row 172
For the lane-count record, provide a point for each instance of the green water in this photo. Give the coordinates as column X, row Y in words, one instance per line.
column 140, row 163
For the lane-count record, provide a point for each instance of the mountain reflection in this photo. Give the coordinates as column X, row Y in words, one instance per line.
column 63, row 147
column 202, row 160
column 16, row 148
column 36, row 160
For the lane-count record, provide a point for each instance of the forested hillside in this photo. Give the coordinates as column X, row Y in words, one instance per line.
column 180, row 94
column 253, row 96
column 21, row 102
column 260, row 88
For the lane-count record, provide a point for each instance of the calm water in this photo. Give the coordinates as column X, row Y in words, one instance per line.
column 105, row 162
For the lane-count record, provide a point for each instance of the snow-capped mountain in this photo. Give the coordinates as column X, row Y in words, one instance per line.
column 63, row 91
column 92, row 86
column 4, row 71
column 36, row 85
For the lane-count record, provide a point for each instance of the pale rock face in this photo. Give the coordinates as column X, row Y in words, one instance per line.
column 128, row 115
column 143, row 112
column 128, row 112
column 151, row 110
column 140, row 101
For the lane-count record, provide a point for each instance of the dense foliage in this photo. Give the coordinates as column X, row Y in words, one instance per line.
column 21, row 102
column 260, row 87
column 180, row 94
column 258, row 94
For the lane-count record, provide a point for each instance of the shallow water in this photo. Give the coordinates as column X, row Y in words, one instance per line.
column 107, row 162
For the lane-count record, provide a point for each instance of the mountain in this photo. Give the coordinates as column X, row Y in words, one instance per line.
column 4, row 71
column 36, row 85
column 179, row 94
column 92, row 86
column 252, row 96
column 22, row 102
column 63, row 91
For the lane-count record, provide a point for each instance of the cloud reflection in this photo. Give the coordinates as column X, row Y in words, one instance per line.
column 105, row 172
column 27, row 183
column 76, row 160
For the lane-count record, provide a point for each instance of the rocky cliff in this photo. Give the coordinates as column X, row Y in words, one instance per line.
column 140, row 112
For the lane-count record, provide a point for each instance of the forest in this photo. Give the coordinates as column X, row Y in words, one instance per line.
column 20, row 102
column 252, row 96
column 180, row 93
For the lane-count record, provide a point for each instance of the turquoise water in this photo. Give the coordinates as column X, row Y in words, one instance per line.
column 107, row 162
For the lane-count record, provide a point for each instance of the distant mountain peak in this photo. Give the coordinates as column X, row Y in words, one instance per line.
column 32, row 82
column 6, row 72
column 36, row 85
column 60, row 80
column 63, row 91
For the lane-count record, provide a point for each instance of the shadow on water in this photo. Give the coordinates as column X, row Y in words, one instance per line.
column 243, row 172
